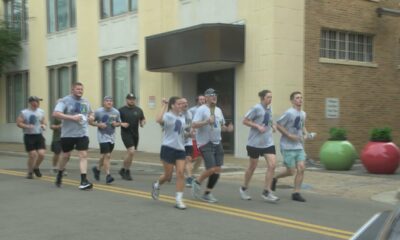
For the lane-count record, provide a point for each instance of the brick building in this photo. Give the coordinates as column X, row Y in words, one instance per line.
column 352, row 55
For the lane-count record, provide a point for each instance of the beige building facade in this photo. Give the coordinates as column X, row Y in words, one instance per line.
column 103, row 44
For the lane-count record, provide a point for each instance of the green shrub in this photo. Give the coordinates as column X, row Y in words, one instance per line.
column 381, row 134
column 337, row 134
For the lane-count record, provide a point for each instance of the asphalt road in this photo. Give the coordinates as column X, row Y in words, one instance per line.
column 36, row 209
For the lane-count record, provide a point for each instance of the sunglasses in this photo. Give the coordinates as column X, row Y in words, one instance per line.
column 211, row 95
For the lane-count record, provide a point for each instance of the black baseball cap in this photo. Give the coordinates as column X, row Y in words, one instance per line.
column 131, row 96
column 34, row 99
column 210, row 92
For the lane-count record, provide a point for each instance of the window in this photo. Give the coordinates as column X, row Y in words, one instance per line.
column 110, row 8
column 17, row 94
column 16, row 16
column 60, row 15
column 60, row 82
column 346, row 46
column 119, row 77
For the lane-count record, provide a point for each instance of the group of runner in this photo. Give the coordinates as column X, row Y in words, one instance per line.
column 187, row 133
column 72, row 117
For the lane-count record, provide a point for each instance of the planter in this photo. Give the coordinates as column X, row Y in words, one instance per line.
column 381, row 157
column 338, row 155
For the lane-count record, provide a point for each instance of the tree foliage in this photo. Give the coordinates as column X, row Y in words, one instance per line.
column 9, row 46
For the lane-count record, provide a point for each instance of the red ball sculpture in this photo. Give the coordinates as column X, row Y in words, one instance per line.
column 381, row 157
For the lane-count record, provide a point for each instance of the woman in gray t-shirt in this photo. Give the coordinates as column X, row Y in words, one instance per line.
column 172, row 149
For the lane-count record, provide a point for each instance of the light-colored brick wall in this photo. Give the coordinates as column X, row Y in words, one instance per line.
column 369, row 96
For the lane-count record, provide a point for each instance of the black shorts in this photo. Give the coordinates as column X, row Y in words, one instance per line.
column 56, row 147
column 254, row 152
column 170, row 155
column 189, row 151
column 34, row 142
column 70, row 143
column 106, row 147
column 130, row 140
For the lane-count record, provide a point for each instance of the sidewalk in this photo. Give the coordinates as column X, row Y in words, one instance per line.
column 355, row 184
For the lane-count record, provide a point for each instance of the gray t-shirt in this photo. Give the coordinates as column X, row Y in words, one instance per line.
column 208, row 133
column 34, row 118
column 188, row 120
column 193, row 110
column 71, row 106
column 174, row 128
column 102, row 115
column 293, row 120
column 262, row 116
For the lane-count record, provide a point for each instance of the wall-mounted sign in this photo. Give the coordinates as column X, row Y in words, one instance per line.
column 332, row 108
column 152, row 102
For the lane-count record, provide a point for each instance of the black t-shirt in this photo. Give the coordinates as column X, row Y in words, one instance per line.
column 133, row 116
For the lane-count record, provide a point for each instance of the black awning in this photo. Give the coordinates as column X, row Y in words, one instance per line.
column 200, row 48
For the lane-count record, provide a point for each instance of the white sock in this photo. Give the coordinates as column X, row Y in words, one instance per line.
column 179, row 196
column 157, row 184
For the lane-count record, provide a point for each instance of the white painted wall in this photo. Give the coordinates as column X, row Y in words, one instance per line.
column 118, row 34
column 22, row 61
column 62, row 47
column 193, row 12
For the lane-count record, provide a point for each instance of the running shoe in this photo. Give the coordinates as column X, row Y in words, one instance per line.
column 180, row 205
column 96, row 173
column 128, row 175
column 196, row 188
column 269, row 196
column 59, row 179
column 155, row 192
column 85, row 185
column 29, row 175
column 244, row 195
column 109, row 179
column 188, row 182
column 209, row 198
column 37, row 172
column 297, row 197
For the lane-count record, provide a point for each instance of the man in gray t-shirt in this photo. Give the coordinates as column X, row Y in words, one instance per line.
column 106, row 119
column 33, row 123
column 75, row 112
column 292, row 126
column 209, row 122
column 260, row 144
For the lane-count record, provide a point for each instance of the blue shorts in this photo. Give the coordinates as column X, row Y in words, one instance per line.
column 170, row 155
column 292, row 157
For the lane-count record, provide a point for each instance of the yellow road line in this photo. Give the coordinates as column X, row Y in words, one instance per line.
column 294, row 224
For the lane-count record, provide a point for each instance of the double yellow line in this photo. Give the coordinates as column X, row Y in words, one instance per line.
column 285, row 222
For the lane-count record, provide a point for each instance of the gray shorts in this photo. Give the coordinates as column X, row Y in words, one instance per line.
column 213, row 155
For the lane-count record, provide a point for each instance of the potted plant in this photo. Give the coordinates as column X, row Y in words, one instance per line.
column 381, row 155
column 337, row 153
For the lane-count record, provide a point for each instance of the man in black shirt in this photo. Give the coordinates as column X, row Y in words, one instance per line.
column 131, row 117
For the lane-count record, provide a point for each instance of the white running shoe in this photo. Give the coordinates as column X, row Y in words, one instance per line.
column 196, row 188
column 180, row 205
column 209, row 198
column 155, row 192
column 244, row 195
column 270, row 197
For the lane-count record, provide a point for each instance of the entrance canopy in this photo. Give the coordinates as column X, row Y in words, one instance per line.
column 204, row 47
